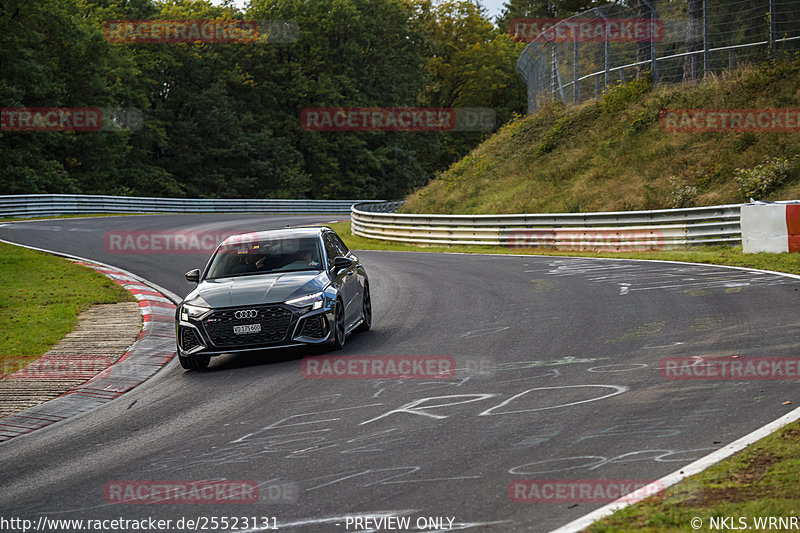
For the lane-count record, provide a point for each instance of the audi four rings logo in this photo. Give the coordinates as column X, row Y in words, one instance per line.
column 249, row 313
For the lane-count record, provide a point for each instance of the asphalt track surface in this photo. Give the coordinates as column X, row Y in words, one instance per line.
column 571, row 390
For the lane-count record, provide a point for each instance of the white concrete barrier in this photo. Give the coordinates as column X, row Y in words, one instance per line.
column 771, row 228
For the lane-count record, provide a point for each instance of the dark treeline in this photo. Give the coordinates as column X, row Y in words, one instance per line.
column 223, row 120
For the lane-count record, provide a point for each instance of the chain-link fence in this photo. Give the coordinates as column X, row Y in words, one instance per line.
column 575, row 59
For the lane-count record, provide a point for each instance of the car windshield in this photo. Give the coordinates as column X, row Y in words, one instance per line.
column 246, row 256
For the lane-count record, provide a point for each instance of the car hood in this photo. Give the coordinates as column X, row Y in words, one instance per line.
column 256, row 289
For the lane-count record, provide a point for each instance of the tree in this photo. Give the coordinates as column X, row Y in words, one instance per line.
column 223, row 120
column 473, row 65
column 521, row 9
column 52, row 57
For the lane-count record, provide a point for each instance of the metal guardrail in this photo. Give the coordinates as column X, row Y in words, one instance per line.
column 618, row 230
column 34, row 205
column 377, row 219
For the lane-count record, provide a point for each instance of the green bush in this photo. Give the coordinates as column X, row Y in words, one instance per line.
column 762, row 179
column 617, row 97
column 681, row 195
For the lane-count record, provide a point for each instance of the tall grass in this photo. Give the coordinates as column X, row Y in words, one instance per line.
column 612, row 153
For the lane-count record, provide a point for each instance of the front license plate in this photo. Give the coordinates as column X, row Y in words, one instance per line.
column 247, row 328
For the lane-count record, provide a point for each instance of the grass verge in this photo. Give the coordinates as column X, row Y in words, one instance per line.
column 41, row 296
column 760, row 481
column 757, row 483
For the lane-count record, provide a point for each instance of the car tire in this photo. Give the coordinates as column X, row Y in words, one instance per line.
column 366, row 310
column 197, row 362
column 339, row 336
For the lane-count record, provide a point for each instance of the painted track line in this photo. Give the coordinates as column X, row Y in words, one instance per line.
column 701, row 464
column 656, row 486
column 677, row 476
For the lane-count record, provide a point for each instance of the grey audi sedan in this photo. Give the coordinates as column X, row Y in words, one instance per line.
column 273, row 289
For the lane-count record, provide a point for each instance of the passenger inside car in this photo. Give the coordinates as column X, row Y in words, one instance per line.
column 302, row 260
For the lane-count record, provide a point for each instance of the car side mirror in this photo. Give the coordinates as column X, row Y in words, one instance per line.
column 342, row 262
column 193, row 275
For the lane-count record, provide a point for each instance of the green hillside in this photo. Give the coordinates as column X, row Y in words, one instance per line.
column 613, row 154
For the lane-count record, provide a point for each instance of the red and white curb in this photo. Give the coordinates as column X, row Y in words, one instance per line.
column 151, row 351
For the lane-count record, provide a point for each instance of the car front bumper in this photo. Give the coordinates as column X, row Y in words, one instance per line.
column 213, row 334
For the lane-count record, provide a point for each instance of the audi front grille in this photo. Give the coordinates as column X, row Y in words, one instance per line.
column 274, row 321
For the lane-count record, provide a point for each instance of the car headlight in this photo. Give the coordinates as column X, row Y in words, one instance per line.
column 194, row 312
column 314, row 300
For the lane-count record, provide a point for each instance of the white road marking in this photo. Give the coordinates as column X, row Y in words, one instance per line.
column 690, row 470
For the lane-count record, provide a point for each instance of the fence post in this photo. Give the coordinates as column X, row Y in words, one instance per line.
column 607, row 53
column 531, row 67
column 576, row 85
column 553, row 67
column 706, row 58
column 533, row 105
column 606, row 49
column 772, row 27
column 654, row 62
column 653, row 52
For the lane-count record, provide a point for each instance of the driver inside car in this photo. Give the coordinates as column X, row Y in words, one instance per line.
column 250, row 263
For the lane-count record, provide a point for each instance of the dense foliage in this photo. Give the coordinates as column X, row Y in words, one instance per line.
column 223, row 120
